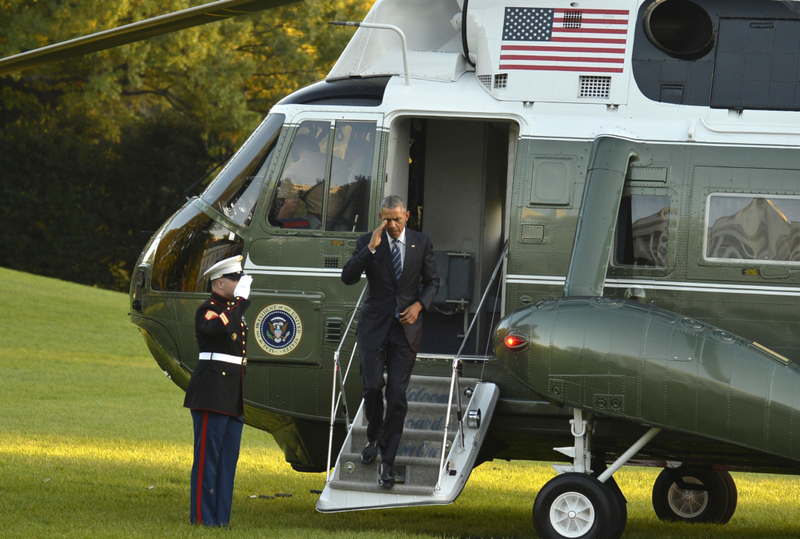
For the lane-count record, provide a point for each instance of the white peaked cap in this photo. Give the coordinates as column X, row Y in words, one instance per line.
column 229, row 266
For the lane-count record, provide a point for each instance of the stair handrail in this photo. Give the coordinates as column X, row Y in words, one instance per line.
column 454, row 383
column 340, row 397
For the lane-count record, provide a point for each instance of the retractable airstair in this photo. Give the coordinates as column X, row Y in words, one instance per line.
column 354, row 485
column 446, row 423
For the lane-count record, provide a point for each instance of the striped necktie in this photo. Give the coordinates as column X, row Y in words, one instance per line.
column 396, row 262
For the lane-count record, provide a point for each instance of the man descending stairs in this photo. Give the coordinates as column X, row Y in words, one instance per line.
column 355, row 485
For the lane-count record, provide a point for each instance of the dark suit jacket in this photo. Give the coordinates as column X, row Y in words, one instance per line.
column 419, row 282
column 217, row 385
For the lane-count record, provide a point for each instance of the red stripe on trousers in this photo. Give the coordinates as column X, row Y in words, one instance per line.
column 200, row 469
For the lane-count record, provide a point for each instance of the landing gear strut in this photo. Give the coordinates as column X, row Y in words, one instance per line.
column 581, row 503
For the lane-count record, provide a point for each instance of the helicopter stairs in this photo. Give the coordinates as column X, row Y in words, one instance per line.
column 354, row 486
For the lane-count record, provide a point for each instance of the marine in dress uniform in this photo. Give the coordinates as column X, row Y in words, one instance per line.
column 403, row 281
column 215, row 393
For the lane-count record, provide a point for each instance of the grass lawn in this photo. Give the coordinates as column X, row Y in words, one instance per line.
column 94, row 442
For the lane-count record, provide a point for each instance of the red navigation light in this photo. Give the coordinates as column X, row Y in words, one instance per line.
column 514, row 342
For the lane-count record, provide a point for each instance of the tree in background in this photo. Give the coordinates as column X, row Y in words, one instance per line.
column 96, row 152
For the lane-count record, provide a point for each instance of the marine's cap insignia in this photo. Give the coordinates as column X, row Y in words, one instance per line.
column 279, row 329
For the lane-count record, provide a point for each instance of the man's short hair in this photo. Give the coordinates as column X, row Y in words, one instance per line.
column 393, row 201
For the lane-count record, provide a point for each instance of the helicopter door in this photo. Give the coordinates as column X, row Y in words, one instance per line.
column 544, row 211
column 319, row 201
column 453, row 174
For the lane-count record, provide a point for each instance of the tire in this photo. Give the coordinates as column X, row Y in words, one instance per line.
column 713, row 503
column 733, row 497
column 619, row 507
column 577, row 506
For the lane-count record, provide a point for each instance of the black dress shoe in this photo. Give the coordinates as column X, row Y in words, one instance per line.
column 386, row 477
column 369, row 453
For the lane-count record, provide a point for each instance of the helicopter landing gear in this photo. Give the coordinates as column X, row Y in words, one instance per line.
column 580, row 503
column 576, row 505
column 694, row 496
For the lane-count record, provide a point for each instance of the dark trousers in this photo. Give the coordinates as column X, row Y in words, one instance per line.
column 217, row 438
column 397, row 356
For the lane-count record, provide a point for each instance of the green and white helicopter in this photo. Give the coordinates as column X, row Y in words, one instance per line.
column 613, row 190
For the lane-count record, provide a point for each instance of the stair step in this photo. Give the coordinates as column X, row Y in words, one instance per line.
column 398, row 460
column 375, row 487
column 416, row 443
column 360, row 431
column 433, row 389
column 415, row 471
column 430, row 415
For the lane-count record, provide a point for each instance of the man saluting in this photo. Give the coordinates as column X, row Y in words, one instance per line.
column 215, row 394
column 402, row 278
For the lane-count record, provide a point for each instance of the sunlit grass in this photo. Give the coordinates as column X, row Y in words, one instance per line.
column 94, row 442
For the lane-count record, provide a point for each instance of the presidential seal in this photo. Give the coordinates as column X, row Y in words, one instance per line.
column 278, row 329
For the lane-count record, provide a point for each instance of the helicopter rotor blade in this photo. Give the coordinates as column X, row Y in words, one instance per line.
column 138, row 31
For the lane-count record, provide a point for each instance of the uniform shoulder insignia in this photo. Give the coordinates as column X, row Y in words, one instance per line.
column 223, row 318
column 210, row 315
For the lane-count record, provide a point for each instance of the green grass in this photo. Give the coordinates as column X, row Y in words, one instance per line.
column 94, row 442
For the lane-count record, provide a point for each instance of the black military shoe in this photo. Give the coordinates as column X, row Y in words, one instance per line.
column 369, row 453
column 386, row 478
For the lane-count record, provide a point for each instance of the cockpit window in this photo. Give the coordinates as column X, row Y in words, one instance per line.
column 348, row 193
column 236, row 189
column 752, row 227
column 642, row 232
column 326, row 186
column 191, row 243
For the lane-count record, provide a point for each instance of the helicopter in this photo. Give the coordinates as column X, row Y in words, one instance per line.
column 611, row 187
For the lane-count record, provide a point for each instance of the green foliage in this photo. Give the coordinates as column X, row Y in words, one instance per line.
column 82, row 211
column 96, row 150
column 94, row 443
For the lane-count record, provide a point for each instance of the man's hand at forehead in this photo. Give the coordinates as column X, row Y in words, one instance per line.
column 376, row 236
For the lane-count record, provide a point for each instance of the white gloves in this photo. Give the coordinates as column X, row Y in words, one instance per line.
column 242, row 289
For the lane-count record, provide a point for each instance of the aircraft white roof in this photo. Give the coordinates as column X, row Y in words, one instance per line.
column 552, row 103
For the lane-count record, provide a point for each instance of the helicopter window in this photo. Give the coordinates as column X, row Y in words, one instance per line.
column 348, row 194
column 236, row 189
column 753, row 227
column 192, row 243
column 306, row 191
column 303, row 177
column 642, row 231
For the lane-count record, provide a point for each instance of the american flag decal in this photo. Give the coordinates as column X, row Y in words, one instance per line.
column 584, row 40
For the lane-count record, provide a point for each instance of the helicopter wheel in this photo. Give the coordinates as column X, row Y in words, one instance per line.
column 715, row 502
column 621, row 507
column 578, row 506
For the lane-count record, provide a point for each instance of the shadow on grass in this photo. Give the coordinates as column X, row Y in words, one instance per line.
column 47, row 496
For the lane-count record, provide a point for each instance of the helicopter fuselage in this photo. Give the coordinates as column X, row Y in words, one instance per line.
column 634, row 173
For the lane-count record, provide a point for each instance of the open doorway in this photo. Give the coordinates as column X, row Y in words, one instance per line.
column 454, row 174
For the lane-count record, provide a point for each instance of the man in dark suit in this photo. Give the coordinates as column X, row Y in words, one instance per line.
column 402, row 278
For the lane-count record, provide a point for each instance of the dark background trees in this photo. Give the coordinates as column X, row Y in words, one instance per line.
column 96, row 153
